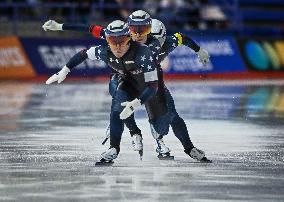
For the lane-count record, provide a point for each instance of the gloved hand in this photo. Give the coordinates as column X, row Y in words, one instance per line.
column 203, row 56
column 130, row 107
column 59, row 77
column 52, row 25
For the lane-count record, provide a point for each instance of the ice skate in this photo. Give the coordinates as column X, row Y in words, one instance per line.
column 198, row 155
column 107, row 157
column 137, row 144
column 163, row 151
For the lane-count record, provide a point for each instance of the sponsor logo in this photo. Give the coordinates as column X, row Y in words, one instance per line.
column 55, row 57
column 138, row 71
column 129, row 62
column 263, row 55
column 11, row 57
column 224, row 57
column 13, row 61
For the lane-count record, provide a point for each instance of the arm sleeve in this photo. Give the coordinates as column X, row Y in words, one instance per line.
column 154, row 46
column 98, row 53
column 94, row 53
column 148, row 92
column 76, row 27
column 77, row 59
column 146, row 60
column 96, row 30
column 187, row 41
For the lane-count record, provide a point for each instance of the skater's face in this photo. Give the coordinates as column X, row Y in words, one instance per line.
column 139, row 32
column 119, row 45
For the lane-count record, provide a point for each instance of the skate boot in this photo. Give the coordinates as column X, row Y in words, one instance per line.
column 107, row 134
column 197, row 154
column 163, row 151
column 137, row 144
column 107, row 157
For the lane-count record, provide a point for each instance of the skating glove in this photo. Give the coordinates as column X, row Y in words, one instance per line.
column 130, row 107
column 59, row 77
column 203, row 56
column 52, row 25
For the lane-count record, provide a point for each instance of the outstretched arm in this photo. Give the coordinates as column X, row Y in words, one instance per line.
column 187, row 41
column 77, row 59
column 92, row 53
column 96, row 30
column 203, row 55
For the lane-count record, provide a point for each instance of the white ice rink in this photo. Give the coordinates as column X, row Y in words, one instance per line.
column 50, row 138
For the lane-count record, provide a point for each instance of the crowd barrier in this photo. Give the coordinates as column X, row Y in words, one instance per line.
column 229, row 58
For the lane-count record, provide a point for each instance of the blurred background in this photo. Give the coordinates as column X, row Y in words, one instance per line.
column 241, row 17
column 243, row 37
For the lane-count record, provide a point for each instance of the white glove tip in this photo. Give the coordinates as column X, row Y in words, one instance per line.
column 124, row 104
column 121, row 117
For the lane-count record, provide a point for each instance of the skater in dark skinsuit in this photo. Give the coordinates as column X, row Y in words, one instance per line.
column 138, row 24
column 138, row 83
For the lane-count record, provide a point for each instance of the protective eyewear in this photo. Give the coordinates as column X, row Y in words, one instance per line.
column 142, row 30
column 118, row 40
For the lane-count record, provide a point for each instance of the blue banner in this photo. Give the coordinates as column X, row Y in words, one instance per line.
column 224, row 57
column 49, row 55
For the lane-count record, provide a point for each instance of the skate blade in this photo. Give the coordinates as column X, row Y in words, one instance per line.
column 105, row 140
column 141, row 154
column 160, row 157
column 104, row 163
column 205, row 160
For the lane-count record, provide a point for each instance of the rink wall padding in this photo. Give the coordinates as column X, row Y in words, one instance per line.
column 14, row 62
column 229, row 58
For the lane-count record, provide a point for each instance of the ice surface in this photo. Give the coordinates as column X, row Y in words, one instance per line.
column 50, row 138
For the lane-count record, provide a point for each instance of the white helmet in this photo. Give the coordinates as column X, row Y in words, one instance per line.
column 158, row 30
column 139, row 17
column 117, row 28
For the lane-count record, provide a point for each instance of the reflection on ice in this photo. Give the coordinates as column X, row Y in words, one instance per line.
column 51, row 136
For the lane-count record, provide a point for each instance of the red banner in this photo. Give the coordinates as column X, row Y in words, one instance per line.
column 14, row 63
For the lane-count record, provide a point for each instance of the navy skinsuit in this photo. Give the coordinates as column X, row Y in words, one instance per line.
column 161, row 125
column 135, row 70
column 171, row 118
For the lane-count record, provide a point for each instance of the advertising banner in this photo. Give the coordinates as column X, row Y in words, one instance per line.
column 224, row 57
column 49, row 55
column 13, row 60
column 251, row 58
column 262, row 55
